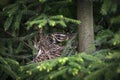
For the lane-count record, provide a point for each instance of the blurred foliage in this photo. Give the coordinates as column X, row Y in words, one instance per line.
column 67, row 68
column 20, row 23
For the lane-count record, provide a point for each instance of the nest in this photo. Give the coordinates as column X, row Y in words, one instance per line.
column 47, row 48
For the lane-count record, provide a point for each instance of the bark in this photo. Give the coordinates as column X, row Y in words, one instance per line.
column 85, row 29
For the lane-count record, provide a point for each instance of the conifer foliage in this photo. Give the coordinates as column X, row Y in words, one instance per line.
column 20, row 25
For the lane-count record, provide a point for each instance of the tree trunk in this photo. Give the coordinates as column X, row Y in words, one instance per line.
column 85, row 29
